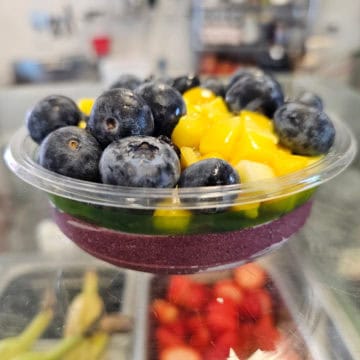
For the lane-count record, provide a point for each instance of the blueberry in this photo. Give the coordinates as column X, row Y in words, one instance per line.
column 303, row 129
column 215, row 85
column 186, row 82
column 166, row 103
column 140, row 161
column 168, row 141
column 51, row 113
column 310, row 99
column 160, row 79
column 166, row 80
column 255, row 92
column 72, row 152
column 242, row 72
column 210, row 172
column 118, row 113
column 126, row 81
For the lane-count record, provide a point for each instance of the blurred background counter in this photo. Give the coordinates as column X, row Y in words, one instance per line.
column 97, row 40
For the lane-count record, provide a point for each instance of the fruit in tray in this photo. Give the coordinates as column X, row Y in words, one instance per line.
column 16, row 345
column 87, row 329
column 239, row 132
column 206, row 321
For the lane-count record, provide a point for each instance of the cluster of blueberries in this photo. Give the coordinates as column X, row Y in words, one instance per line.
column 126, row 140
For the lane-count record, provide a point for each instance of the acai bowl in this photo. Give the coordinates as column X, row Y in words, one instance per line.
column 221, row 221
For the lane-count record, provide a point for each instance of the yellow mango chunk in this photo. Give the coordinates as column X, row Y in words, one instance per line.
column 85, row 105
column 251, row 211
column 191, row 109
column 216, row 108
column 259, row 125
column 169, row 220
column 250, row 171
column 257, row 140
column 253, row 146
column 189, row 130
column 257, row 120
column 82, row 124
column 221, row 137
column 284, row 162
column 188, row 156
column 198, row 96
column 211, row 155
column 314, row 159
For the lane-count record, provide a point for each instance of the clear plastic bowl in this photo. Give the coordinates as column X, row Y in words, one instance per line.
column 195, row 229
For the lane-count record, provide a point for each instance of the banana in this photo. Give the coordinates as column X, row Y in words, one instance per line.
column 91, row 348
column 84, row 309
column 92, row 341
column 57, row 353
column 98, row 344
column 11, row 347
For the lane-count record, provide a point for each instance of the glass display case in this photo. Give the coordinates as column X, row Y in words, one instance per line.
column 307, row 293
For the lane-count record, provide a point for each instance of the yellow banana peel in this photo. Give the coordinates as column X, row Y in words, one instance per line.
column 83, row 311
column 85, row 308
column 13, row 346
column 58, row 352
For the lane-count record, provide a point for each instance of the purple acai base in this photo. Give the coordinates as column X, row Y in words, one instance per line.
column 175, row 254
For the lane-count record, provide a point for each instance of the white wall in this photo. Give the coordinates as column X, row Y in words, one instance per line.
column 345, row 15
column 141, row 39
column 18, row 40
column 163, row 33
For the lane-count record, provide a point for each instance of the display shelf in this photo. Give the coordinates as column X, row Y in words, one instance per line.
column 247, row 31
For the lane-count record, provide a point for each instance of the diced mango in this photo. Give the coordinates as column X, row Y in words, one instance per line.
column 198, row 96
column 257, row 120
column 212, row 155
column 169, row 220
column 314, row 159
column 216, row 109
column 250, row 211
column 259, row 125
column 257, row 140
column 221, row 137
column 85, row 105
column 191, row 108
column 253, row 146
column 250, row 171
column 82, row 124
column 284, row 162
column 188, row 156
column 280, row 205
column 209, row 130
column 189, row 130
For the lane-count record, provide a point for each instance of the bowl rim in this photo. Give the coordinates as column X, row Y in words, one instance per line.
column 21, row 152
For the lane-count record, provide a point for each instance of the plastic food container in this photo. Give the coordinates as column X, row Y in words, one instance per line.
column 195, row 229
column 152, row 336
column 25, row 278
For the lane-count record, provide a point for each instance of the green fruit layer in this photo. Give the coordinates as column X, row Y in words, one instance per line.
column 143, row 221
